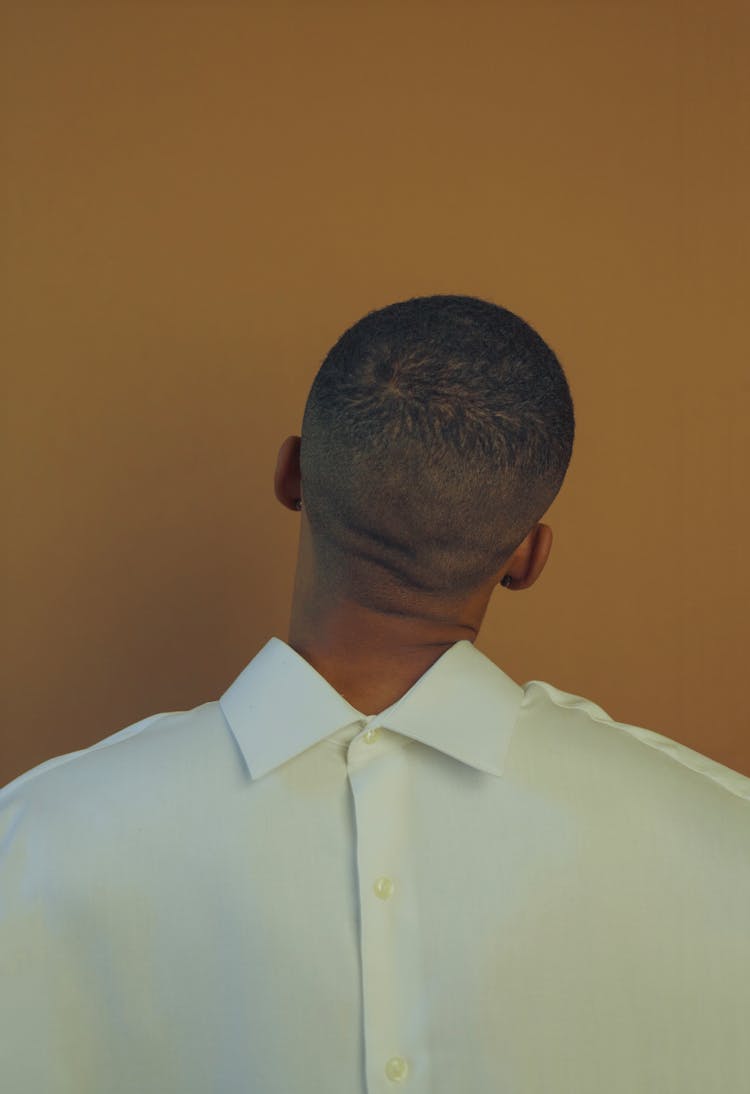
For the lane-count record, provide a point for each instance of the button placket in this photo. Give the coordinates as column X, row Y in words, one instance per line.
column 383, row 970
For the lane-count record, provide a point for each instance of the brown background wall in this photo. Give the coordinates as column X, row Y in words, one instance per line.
column 197, row 201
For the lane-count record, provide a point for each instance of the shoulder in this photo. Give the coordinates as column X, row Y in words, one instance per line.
column 574, row 717
column 77, row 796
column 62, row 769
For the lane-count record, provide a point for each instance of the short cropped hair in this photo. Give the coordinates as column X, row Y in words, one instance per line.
column 436, row 433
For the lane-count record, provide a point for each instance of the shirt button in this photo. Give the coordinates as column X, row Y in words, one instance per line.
column 370, row 735
column 396, row 1069
column 383, row 887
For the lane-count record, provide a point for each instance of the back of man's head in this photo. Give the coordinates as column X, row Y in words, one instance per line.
column 437, row 432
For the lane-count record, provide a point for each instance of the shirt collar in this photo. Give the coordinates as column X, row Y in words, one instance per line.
column 463, row 705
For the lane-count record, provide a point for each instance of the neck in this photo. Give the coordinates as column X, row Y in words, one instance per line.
column 372, row 657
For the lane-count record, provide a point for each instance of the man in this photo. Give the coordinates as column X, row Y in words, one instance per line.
column 377, row 862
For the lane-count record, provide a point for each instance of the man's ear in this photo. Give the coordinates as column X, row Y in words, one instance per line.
column 287, row 478
column 534, row 553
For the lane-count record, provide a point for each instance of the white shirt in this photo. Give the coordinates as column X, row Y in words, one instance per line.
column 484, row 888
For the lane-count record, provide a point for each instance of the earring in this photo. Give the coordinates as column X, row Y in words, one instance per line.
column 507, row 581
column 298, row 503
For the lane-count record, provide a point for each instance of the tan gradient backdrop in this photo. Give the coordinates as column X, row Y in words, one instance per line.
column 197, row 201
